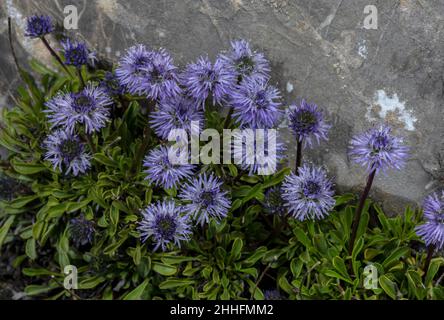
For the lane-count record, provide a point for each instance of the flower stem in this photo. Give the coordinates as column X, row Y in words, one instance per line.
column 12, row 47
column 79, row 72
column 256, row 285
column 298, row 156
column 358, row 212
column 228, row 118
column 142, row 150
column 55, row 55
column 430, row 251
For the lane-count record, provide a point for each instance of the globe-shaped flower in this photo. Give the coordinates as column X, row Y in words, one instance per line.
column 378, row 149
column 308, row 195
column 65, row 150
column 202, row 78
column 258, row 152
column 247, row 62
column 162, row 172
column 164, row 223
column 77, row 53
column 307, row 123
column 38, row 26
column 88, row 108
column 175, row 113
column 111, row 84
column 273, row 202
column 432, row 231
column 132, row 71
column 81, row 231
column 205, row 198
column 256, row 104
column 272, row 295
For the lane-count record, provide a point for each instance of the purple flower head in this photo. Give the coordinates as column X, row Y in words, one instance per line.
column 273, row 202
column 175, row 113
column 162, row 172
column 258, row 151
column 67, row 151
column 87, row 108
column 81, row 231
column 308, row 195
column 246, row 62
column 38, row 26
column 205, row 198
column 378, row 149
column 111, row 84
column 272, row 295
column 202, row 78
column 132, row 70
column 307, row 123
column 165, row 224
column 432, row 231
column 256, row 104
column 77, row 53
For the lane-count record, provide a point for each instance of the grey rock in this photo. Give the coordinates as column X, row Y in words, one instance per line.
column 319, row 48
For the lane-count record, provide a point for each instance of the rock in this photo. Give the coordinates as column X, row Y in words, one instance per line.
column 318, row 49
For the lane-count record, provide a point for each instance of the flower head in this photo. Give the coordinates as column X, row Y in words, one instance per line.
column 272, row 295
column 10, row 188
column 165, row 224
column 307, row 123
column 87, row 108
column 378, row 149
column 149, row 73
column 247, row 62
column 202, row 78
column 77, row 53
column 38, row 26
column 432, row 231
column 258, row 151
column 65, row 150
column 256, row 104
column 162, row 172
column 273, row 202
column 111, row 84
column 205, row 198
column 81, row 230
column 308, row 195
column 132, row 70
column 175, row 113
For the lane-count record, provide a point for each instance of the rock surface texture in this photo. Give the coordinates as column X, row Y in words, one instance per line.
column 319, row 50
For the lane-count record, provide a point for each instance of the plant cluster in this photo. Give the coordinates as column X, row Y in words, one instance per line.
column 88, row 182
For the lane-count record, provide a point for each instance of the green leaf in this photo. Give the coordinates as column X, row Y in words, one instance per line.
column 176, row 283
column 302, row 237
column 339, row 265
column 236, row 249
column 5, row 228
column 388, row 286
column 30, row 249
column 91, row 282
column 27, row 168
column 164, row 269
column 395, row 256
column 137, row 293
column 435, row 264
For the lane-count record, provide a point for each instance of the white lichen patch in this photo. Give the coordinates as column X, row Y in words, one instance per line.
column 390, row 108
column 289, row 87
column 362, row 49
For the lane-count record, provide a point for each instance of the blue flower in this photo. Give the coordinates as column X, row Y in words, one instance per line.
column 66, row 151
column 38, row 26
column 148, row 73
column 273, row 202
column 88, row 108
column 175, row 113
column 81, row 231
column 432, row 231
column 164, row 223
column 202, row 78
column 161, row 172
column 308, row 195
column 205, row 198
column 256, row 104
column 132, row 71
column 247, row 63
column 307, row 123
column 258, row 152
column 272, row 295
column 77, row 53
column 378, row 149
